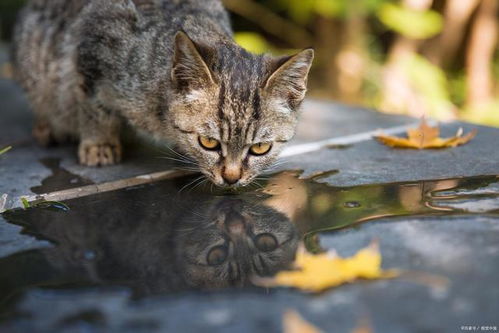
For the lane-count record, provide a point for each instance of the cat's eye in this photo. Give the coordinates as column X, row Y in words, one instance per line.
column 266, row 242
column 217, row 255
column 209, row 143
column 260, row 148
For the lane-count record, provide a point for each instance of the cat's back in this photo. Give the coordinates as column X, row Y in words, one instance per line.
column 204, row 20
column 67, row 52
column 46, row 29
column 38, row 36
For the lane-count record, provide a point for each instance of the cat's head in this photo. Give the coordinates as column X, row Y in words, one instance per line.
column 230, row 241
column 232, row 111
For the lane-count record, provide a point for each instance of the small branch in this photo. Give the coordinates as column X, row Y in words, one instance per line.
column 270, row 22
column 84, row 191
column 480, row 53
column 442, row 49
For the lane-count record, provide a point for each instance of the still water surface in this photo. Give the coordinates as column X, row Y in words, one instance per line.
column 165, row 237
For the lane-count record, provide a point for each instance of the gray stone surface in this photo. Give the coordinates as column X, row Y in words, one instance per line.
column 323, row 120
column 371, row 162
column 464, row 251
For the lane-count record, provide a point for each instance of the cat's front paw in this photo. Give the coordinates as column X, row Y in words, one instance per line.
column 94, row 153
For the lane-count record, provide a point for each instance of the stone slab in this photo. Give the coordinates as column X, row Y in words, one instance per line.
column 462, row 250
column 370, row 162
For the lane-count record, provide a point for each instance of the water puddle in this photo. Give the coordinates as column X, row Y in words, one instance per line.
column 61, row 179
column 157, row 239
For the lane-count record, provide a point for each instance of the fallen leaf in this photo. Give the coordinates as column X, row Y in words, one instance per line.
column 319, row 272
column 25, row 203
column 41, row 203
column 425, row 137
column 292, row 322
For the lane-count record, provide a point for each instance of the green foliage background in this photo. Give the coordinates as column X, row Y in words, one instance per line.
column 441, row 88
column 369, row 27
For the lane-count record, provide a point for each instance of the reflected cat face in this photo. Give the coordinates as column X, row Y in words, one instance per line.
column 223, row 242
column 234, row 241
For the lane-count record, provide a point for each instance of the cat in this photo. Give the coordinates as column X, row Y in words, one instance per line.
column 157, row 244
column 168, row 68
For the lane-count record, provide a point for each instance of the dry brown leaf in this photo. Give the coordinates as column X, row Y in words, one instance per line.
column 292, row 322
column 319, row 272
column 425, row 137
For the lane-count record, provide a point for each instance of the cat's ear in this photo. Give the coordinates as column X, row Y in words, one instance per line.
column 189, row 70
column 289, row 81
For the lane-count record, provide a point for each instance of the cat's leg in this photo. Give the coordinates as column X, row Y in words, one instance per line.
column 99, row 135
column 42, row 131
column 48, row 128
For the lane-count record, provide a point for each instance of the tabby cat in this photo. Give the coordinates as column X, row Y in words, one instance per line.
column 170, row 69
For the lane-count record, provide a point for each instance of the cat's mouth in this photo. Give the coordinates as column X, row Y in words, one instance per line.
column 231, row 184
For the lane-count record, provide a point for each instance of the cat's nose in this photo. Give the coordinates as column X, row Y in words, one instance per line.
column 236, row 227
column 234, row 223
column 231, row 174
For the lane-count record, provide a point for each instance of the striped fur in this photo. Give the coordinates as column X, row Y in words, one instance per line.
column 89, row 65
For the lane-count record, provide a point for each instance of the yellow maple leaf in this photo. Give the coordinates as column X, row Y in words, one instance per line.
column 319, row 272
column 292, row 322
column 425, row 137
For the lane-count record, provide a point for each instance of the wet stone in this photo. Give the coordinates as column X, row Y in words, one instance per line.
column 132, row 255
column 60, row 179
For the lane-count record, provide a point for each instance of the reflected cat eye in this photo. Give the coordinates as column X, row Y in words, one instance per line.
column 208, row 143
column 260, row 148
column 266, row 242
column 217, row 255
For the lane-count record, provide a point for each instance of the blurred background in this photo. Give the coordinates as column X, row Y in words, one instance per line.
column 437, row 58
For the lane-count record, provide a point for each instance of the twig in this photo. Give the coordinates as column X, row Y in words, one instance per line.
column 84, row 191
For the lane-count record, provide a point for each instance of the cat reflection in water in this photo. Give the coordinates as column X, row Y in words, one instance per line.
column 169, row 246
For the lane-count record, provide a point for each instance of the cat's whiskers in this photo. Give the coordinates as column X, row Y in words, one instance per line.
column 186, row 168
column 186, row 164
column 177, row 160
column 259, row 185
column 168, row 152
column 200, row 215
column 275, row 166
column 262, row 178
column 186, row 230
column 203, row 181
column 205, row 222
column 178, row 156
column 197, row 227
column 255, row 183
column 200, row 178
column 183, row 160
column 191, row 170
